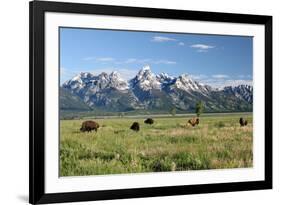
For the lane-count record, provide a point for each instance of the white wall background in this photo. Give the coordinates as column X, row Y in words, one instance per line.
column 14, row 100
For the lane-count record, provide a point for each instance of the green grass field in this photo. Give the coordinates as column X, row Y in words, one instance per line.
column 168, row 145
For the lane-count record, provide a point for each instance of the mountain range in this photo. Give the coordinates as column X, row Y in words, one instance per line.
column 148, row 91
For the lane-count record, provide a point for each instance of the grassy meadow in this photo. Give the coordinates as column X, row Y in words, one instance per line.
column 169, row 144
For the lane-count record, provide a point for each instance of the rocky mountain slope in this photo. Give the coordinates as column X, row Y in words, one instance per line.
column 147, row 91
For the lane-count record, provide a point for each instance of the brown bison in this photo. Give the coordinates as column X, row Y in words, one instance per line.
column 88, row 126
column 193, row 121
column 149, row 121
column 135, row 126
column 243, row 122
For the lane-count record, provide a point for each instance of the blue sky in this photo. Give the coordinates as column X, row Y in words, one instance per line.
column 211, row 59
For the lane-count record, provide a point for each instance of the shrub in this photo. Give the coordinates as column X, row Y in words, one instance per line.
column 161, row 165
column 186, row 161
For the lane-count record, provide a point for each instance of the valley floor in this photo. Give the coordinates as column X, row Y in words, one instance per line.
column 170, row 144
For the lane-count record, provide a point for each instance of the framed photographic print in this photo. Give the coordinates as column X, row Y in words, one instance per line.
column 141, row 102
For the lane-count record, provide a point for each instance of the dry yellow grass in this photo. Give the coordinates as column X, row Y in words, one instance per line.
column 168, row 145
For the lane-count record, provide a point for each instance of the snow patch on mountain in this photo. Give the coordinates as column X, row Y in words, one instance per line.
column 145, row 80
column 244, row 92
column 186, row 83
column 147, row 90
column 115, row 81
column 95, row 83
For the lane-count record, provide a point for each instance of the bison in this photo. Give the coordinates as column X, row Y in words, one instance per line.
column 89, row 126
column 243, row 122
column 193, row 121
column 149, row 121
column 135, row 126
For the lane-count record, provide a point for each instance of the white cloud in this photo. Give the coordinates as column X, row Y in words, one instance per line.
column 167, row 62
column 146, row 61
column 220, row 80
column 162, row 39
column 220, row 76
column 126, row 73
column 238, row 82
column 231, row 82
column 181, row 44
column 198, row 77
column 221, row 83
column 201, row 48
column 104, row 59
column 131, row 60
column 245, row 76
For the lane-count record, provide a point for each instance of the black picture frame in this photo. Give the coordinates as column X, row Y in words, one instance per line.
column 37, row 10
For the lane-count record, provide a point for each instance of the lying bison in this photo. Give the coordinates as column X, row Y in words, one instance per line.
column 88, row 126
column 193, row 121
column 135, row 126
column 243, row 122
column 149, row 121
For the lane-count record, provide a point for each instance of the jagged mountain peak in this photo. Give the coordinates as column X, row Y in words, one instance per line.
column 243, row 91
column 117, row 82
column 245, row 86
column 104, row 75
column 145, row 80
column 149, row 91
column 164, row 78
column 81, row 77
column 85, row 74
column 145, row 73
column 115, row 75
column 86, row 80
column 146, row 68
column 184, row 76
column 242, row 87
column 184, row 82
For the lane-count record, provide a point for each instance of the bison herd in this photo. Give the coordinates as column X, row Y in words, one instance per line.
column 89, row 125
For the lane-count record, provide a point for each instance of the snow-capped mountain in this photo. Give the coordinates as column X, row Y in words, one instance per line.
column 244, row 92
column 165, row 79
column 145, row 80
column 103, row 90
column 155, row 92
column 96, row 83
column 185, row 83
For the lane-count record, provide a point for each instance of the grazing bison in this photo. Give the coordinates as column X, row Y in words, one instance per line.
column 243, row 122
column 193, row 121
column 149, row 121
column 135, row 126
column 89, row 126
